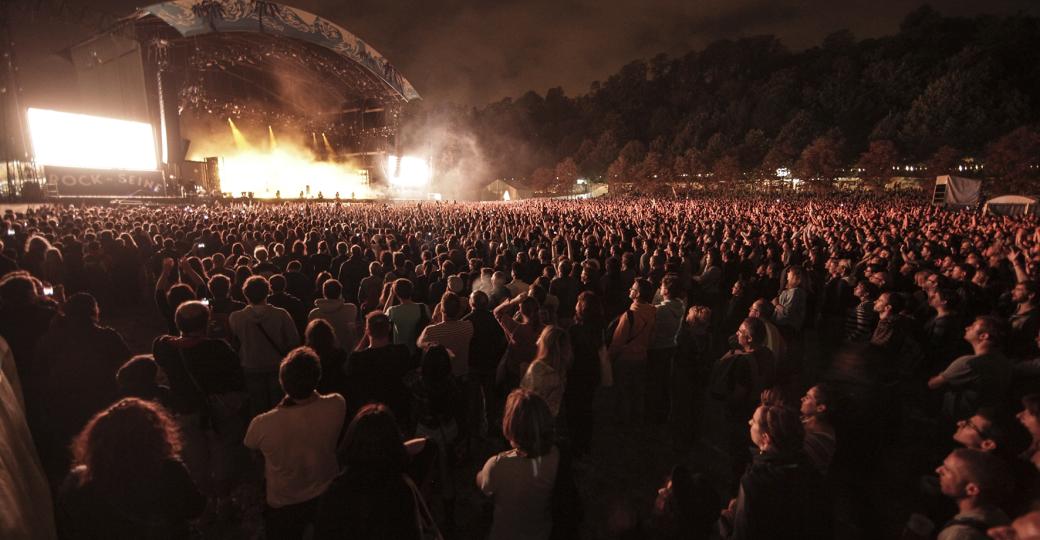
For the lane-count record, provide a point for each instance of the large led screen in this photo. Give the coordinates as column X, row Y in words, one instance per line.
column 91, row 142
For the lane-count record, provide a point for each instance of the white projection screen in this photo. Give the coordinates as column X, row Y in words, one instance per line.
column 91, row 142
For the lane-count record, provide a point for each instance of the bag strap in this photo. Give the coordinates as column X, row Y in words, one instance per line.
column 191, row 376
column 423, row 518
column 424, row 318
column 270, row 341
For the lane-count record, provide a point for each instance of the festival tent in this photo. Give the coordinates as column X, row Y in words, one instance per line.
column 505, row 190
column 957, row 191
column 1010, row 205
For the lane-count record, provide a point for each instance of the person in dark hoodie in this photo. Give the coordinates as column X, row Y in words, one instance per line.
column 279, row 298
column 351, row 272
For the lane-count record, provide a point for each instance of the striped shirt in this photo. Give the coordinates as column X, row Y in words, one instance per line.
column 860, row 323
column 454, row 336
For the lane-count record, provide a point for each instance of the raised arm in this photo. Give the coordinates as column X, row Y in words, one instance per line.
column 505, row 311
column 189, row 275
column 163, row 283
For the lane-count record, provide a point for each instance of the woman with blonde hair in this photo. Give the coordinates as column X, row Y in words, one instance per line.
column 547, row 374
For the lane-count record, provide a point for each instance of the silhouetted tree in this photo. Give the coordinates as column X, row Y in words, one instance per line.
column 566, row 175
column 938, row 82
column 821, row 161
column 619, row 171
column 727, row 168
column 1014, row 158
column 877, row 162
column 944, row 161
column 542, row 179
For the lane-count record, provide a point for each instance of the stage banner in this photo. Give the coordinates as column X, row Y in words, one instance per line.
column 94, row 182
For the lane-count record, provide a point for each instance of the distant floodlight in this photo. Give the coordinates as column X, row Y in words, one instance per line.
column 91, row 142
column 783, row 172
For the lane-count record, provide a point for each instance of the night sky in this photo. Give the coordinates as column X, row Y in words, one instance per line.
column 477, row 51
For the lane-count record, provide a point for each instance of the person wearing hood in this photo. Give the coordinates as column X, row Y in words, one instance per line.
column 670, row 312
column 338, row 313
column 263, row 335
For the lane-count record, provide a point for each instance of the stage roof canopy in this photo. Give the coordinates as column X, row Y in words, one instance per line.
column 194, row 18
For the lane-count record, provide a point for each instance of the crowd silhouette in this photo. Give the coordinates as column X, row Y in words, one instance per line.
column 859, row 365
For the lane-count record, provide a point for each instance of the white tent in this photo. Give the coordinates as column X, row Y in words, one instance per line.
column 954, row 191
column 1010, row 205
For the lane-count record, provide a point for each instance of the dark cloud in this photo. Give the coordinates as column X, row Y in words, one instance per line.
column 473, row 52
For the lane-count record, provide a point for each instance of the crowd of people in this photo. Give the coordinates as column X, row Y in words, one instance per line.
column 358, row 358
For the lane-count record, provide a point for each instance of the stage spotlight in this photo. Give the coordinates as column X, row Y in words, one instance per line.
column 65, row 139
column 408, row 172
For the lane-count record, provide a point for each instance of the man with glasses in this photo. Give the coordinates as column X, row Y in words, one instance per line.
column 980, row 431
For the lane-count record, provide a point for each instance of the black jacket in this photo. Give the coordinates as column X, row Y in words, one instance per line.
column 782, row 496
column 488, row 344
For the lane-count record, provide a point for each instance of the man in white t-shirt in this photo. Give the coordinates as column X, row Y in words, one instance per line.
column 298, row 440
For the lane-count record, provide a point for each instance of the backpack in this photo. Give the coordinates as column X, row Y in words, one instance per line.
column 612, row 327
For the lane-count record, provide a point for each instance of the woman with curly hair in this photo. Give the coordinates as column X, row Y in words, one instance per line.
column 127, row 479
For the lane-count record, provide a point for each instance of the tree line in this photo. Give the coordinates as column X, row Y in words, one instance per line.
column 942, row 94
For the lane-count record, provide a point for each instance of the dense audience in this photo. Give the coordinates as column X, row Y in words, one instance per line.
column 813, row 343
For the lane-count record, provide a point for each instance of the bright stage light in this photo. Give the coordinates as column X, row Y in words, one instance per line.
column 91, row 142
column 412, row 172
column 289, row 172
